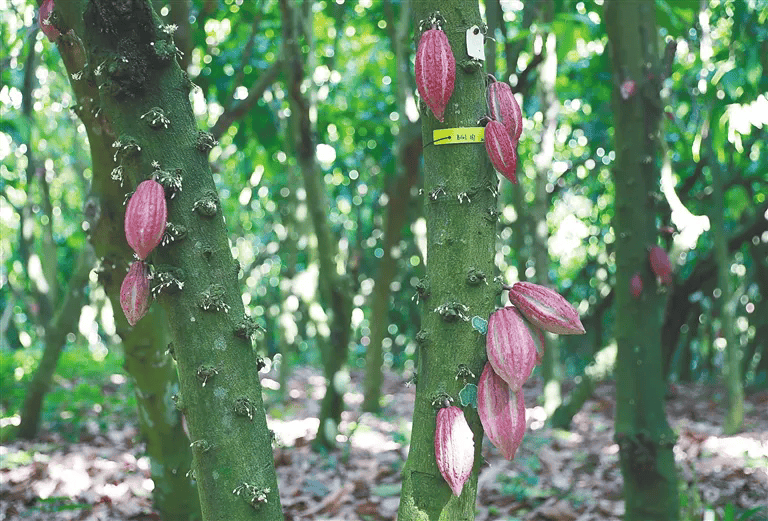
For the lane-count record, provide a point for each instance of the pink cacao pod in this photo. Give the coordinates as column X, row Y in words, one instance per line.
column 546, row 308
column 627, row 89
column 44, row 19
column 435, row 71
column 501, row 412
column 636, row 286
column 660, row 264
column 145, row 217
column 505, row 109
column 511, row 345
column 454, row 447
column 134, row 293
column 501, row 150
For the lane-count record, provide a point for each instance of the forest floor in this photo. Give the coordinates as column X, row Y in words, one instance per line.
column 557, row 475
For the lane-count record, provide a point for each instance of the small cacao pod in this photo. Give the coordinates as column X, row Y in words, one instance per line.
column 501, row 150
column 511, row 345
column 454, row 447
column 44, row 19
column 501, row 411
column 435, row 71
column 660, row 264
column 504, row 108
column 627, row 89
column 546, row 308
column 636, row 286
column 134, row 292
column 145, row 217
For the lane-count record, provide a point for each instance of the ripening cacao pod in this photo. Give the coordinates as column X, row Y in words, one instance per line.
column 44, row 19
column 435, row 71
column 134, row 292
column 546, row 308
column 660, row 264
column 501, row 411
column 145, row 217
column 511, row 345
column 504, row 108
column 501, row 150
column 454, row 447
column 636, row 286
column 627, row 89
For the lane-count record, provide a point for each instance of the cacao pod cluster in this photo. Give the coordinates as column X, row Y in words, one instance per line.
column 514, row 343
column 502, row 132
column 145, row 221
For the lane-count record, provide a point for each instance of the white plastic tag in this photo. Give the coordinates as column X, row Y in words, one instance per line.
column 476, row 43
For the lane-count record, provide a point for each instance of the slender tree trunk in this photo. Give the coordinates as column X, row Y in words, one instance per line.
column 335, row 289
column 734, row 417
column 550, row 367
column 143, row 99
column 644, row 437
column 56, row 331
column 461, row 236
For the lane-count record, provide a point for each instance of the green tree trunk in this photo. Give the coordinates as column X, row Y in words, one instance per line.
column 550, row 367
column 335, row 288
column 143, row 100
column 461, row 237
column 644, row 437
column 734, row 417
column 407, row 168
column 56, row 331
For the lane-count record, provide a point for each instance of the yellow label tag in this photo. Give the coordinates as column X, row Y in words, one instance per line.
column 451, row 136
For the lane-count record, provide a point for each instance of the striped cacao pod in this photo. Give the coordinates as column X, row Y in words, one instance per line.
column 134, row 292
column 546, row 308
column 454, row 447
column 660, row 264
column 504, row 108
column 145, row 218
column 501, row 412
column 435, row 71
column 511, row 345
column 501, row 150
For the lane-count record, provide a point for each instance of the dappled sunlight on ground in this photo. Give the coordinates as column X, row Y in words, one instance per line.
column 557, row 475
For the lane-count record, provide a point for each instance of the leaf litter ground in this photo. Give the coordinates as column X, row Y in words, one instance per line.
column 557, row 475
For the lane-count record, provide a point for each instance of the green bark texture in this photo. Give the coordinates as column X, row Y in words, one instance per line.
column 642, row 433
column 174, row 495
column 143, row 101
column 461, row 235
column 335, row 288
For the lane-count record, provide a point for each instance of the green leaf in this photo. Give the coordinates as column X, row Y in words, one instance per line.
column 480, row 324
column 468, row 396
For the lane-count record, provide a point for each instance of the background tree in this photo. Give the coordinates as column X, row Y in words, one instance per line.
column 644, row 437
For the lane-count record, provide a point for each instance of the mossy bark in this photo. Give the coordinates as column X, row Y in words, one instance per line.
column 459, row 284
column 642, row 433
column 143, row 101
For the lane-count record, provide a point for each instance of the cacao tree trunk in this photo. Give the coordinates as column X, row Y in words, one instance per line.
column 461, row 236
column 642, row 433
column 142, row 100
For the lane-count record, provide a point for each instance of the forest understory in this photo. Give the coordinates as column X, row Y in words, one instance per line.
column 557, row 475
